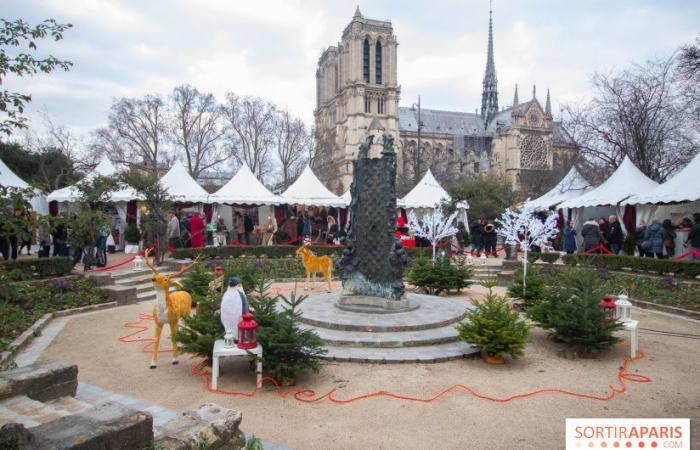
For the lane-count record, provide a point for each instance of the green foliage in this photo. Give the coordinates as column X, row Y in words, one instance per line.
column 22, row 303
column 253, row 443
column 549, row 257
column 495, row 328
column 48, row 168
column 9, row 442
column 14, row 203
column 683, row 269
column 196, row 282
column 436, row 277
column 288, row 348
column 535, row 287
column 533, row 256
column 28, row 268
column 17, row 41
column 158, row 202
column 488, row 195
column 570, row 310
column 132, row 234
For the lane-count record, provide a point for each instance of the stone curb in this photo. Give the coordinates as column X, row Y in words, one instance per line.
column 24, row 339
column 666, row 308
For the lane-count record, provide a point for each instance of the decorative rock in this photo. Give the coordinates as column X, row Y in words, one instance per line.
column 123, row 295
column 213, row 424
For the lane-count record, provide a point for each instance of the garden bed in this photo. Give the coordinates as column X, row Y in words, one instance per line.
column 23, row 303
column 273, row 251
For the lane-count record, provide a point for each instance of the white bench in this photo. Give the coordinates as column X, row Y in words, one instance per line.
column 221, row 351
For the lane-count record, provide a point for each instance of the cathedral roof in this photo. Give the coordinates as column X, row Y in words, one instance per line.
column 560, row 136
column 436, row 121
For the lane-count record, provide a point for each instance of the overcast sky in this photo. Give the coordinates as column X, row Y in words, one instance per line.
column 270, row 48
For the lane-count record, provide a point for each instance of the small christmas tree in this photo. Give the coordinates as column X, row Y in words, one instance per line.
column 199, row 331
column 197, row 282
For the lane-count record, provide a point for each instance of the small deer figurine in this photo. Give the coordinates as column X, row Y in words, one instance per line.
column 169, row 307
column 314, row 264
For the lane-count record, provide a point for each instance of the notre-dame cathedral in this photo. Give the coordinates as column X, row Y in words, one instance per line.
column 357, row 94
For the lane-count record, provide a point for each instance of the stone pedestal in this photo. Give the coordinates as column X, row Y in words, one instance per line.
column 371, row 304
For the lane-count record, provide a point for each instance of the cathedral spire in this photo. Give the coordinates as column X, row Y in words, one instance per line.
column 515, row 100
column 358, row 14
column 534, row 92
column 548, row 107
column 489, row 95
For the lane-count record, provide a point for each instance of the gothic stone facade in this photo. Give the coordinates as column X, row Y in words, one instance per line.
column 358, row 94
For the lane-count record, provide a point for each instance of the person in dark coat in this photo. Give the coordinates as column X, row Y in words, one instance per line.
column 615, row 235
column 570, row 238
column 490, row 238
column 694, row 236
column 476, row 230
column 639, row 235
column 654, row 237
column 591, row 235
column 670, row 240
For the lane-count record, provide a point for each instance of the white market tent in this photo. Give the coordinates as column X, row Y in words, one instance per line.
column 309, row 191
column 245, row 189
column 182, row 187
column 626, row 181
column 104, row 168
column 346, row 197
column 683, row 187
column 9, row 179
column 571, row 186
column 427, row 194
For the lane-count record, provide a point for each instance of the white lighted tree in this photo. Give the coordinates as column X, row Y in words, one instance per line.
column 521, row 227
column 434, row 226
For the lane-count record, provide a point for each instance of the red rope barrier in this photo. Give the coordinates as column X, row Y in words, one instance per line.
column 310, row 396
column 692, row 252
column 599, row 247
column 102, row 269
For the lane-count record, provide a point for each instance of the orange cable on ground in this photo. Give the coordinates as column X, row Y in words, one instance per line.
column 310, row 396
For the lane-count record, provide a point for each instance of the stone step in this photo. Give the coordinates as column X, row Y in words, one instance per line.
column 128, row 273
column 146, row 296
column 340, row 338
column 69, row 405
column 24, row 410
column 433, row 312
column 422, row 354
column 136, row 279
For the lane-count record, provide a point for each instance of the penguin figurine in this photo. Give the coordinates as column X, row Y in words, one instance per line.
column 233, row 305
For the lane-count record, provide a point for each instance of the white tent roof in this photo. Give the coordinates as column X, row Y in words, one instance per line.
column 9, row 179
column 104, row 168
column 426, row 194
column 245, row 189
column 627, row 180
column 346, row 197
column 571, row 186
column 308, row 190
column 683, row 187
column 182, row 187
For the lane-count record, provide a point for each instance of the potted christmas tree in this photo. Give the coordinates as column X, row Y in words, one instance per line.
column 132, row 237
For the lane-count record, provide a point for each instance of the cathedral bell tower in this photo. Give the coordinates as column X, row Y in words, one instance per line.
column 356, row 90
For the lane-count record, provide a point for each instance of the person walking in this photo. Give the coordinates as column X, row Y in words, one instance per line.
column 221, row 232
column 300, row 229
column 570, row 238
column 239, row 227
column 173, row 231
column 654, row 238
column 197, row 231
column 614, row 235
column 639, row 237
column 268, row 232
column 694, row 236
column 331, row 230
column 591, row 235
column 249, row 227
column 44, row 238
column 476, row 230
column 669, row 238
column 489, row 237
column 101, row 247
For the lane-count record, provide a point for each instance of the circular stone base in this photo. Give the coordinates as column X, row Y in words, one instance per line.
column 375, row 305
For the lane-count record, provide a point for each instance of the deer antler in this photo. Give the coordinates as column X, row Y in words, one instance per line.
column 145, row 259
column 185, row 268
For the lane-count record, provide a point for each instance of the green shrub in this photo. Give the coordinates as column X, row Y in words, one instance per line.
column 549, row 257
column 436, row 277
column 570, row 311
column 132, row 234
column 533, row 256
column 247, row 268
column 495, row 328
column 196, row 282
column 535, row 287
column 683, row 269
column 37, row 267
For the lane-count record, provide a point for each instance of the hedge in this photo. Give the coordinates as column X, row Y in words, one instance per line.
column 683, row 269
column 39, row 267
column 273, row 251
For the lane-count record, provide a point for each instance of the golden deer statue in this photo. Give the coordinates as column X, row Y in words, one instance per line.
column 314, row 264
column 169, row 307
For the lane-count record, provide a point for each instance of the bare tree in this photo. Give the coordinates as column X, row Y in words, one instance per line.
column 292, row 141
column 136, row 131
column 322, row 159
column 195, row 128
column 638, row 113
column 250, row 132
column 689, row 75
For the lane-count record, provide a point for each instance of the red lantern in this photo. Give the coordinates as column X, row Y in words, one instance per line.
column 608, row 305
column 218, row 271
column 246, row 332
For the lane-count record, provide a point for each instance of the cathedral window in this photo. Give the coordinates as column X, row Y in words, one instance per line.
column 533, row 152
column 365, row 61
column 368, row 104
column 476, row 166
column 380, row 105
column 378, row 63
